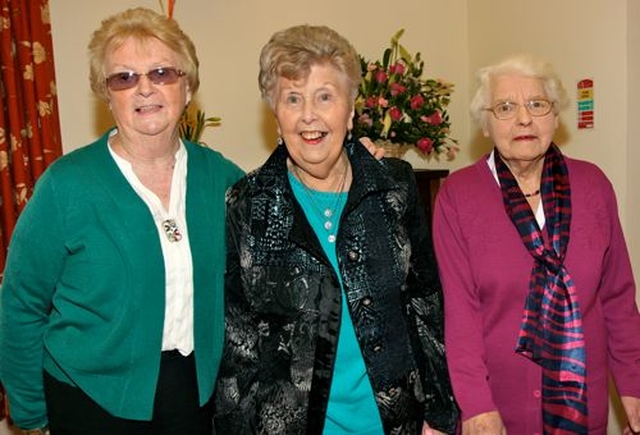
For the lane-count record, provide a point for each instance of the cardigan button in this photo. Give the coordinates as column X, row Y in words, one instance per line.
column 377, row 348
column 353, row 256
column 366, row 301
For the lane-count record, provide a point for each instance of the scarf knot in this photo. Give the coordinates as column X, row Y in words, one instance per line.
column 550, row 261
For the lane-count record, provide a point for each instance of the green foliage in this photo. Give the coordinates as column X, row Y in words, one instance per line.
column 193, row 123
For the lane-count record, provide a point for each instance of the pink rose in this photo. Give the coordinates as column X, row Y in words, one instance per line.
column 365, row 119
column 425, row 145
column 381, row 76
column 395, row 113
column 371, row 102
column 436, row 118
column 382, row 102
column 417, row 101
column 398, row 68
column 397, row 89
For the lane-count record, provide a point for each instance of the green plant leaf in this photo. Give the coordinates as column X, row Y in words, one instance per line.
column 193, row 124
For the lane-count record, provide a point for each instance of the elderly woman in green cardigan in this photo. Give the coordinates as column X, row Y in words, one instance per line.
column 112, row 295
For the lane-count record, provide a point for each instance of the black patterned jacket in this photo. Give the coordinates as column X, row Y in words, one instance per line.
column 283, row 304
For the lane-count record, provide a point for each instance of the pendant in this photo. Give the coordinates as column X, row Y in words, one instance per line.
column 171, row 230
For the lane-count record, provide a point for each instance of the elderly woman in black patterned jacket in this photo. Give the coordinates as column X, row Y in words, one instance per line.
column 334, row 317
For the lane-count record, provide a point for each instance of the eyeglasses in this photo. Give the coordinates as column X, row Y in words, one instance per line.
column 158, row 76
column 509, row 109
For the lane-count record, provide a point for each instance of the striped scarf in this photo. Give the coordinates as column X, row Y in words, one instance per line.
column 551, row 333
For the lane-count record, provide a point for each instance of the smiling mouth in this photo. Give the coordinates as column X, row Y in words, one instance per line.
column 312, row 135
column 150, row 108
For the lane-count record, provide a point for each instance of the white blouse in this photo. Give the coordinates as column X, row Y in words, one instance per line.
column 178, row 318
column 539, row 211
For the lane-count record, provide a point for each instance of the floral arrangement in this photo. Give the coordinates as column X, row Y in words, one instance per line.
column 395, row 104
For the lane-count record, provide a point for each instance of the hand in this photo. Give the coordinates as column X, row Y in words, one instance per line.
column 487, row 423
column 427, row 430
column 376, row 151
column 631, row 407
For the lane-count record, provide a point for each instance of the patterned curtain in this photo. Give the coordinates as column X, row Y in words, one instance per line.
column 29, row 123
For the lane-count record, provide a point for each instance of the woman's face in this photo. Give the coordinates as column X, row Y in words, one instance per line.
column 314, row 115
column 146, row 108
column 524, row 138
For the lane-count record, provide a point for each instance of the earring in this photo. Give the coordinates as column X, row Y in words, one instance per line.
column 349, row 136
column 280, row 141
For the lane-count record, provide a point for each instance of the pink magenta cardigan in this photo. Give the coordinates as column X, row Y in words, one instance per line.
column 485, row 271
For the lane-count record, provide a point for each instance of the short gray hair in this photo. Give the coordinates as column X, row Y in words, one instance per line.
column 291, row 53
column 526, row 65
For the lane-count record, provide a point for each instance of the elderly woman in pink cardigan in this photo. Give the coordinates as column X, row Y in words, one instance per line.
column 539, row 293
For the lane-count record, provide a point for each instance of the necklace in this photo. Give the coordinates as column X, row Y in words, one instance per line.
column 328, row 212
column 532, row 194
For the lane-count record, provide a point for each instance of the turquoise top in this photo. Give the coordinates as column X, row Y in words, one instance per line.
column 84, row 285
column 352, row 407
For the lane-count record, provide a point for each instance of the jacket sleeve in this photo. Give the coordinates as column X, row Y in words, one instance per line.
column 463, row 328
column 426, row 314
column 34, row 264
column 238, row 371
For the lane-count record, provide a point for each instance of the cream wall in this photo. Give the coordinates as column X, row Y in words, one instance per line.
column 228, row 36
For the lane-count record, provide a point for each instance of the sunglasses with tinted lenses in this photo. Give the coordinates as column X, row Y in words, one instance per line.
column 128, row 79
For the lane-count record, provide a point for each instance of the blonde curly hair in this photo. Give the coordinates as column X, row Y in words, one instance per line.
column 142, row 25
